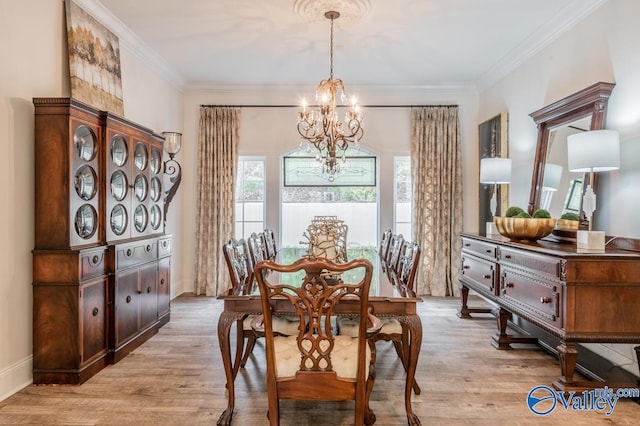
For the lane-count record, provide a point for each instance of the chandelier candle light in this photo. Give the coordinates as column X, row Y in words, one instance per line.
column 320, row 125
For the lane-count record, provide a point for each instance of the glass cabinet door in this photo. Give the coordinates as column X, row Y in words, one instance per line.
column 119, row 150
column 140, row 156
column 118, row 219
column 141, row 218
column 156, row 189
column 119, row 185
column 86, row 221
column 85, row 182
column 84, row 141
column 141, row 187
column 156, row 161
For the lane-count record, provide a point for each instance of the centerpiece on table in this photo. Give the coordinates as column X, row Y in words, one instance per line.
column 518, row 225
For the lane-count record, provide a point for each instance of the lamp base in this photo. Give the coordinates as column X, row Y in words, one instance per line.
column 491, row 229
column 590, row 241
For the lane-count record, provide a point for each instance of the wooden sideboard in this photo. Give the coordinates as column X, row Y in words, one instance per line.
column 579, row 298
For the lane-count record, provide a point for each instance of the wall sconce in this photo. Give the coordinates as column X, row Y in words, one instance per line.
column 589, row 152
column 494, row 171
column 172, row 145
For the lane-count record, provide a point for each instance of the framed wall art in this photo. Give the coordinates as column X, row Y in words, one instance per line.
column 493, row 142
column 94, row 61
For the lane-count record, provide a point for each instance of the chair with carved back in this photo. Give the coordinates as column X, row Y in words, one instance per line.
column 257, row 247
column 317, row 364
column 236, row 256
column 385, row 239
column 393, row 254
column 403, row 278
column 392, row 330
column 327, row 238
column 270, row 244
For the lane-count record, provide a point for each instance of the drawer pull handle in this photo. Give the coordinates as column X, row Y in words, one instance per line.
column 148, row 290
column 507, row 256
column 95, row 312
column 546, row 299
column 95, row 259
column 467, row 245
column 509, row 285
column 162, row 281
column 148, row 248
column 486, row 276
column 164, row 244
column 129, row 252
column 128, row 299
column 488, row 250
column 467, row 267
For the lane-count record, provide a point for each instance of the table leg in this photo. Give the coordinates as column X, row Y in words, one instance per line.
column 414, row 325
column 568, row 355
column 225, row 322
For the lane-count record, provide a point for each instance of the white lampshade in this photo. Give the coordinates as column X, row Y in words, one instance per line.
column 597, row 151
column 552, row 176
column 172, row 142
column 495, row 170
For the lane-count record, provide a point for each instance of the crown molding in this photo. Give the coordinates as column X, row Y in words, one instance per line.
column 452, row 88
column 568, row 17
column 131, row 41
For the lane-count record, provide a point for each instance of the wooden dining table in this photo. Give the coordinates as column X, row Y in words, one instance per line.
column 385, row 298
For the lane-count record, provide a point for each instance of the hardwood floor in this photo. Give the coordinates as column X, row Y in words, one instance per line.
column 177, row 378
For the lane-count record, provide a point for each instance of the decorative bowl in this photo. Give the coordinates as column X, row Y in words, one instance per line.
column 523, row 228
column 571, row 225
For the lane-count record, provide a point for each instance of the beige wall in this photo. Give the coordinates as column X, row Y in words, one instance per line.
column 34, row 64
column 603, row 47
column 271, row 132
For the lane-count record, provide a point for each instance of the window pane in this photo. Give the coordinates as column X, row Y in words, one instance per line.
column 403, row 212
column 250, row 227
column 249, row 197
column 253, row 212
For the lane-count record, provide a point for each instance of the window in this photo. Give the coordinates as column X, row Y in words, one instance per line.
column 402, row 196
column 352, row 197
column 250, row 196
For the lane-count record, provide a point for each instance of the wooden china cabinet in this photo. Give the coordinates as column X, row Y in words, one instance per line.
column 101, row 262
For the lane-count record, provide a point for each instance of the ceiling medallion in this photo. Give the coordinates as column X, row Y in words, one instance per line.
column 349, row 10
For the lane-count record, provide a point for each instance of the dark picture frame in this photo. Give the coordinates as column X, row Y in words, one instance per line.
column 492, row 142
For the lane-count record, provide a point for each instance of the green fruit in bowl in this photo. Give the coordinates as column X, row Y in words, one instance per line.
column 513, row 211
column 570, row 216
column 541, row 214
column 523, row 214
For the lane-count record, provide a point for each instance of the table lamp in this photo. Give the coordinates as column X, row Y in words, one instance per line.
column 589, row 152
column 494, row 171
column 550, row 183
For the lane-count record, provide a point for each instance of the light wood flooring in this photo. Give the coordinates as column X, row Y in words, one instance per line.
column 176, row 378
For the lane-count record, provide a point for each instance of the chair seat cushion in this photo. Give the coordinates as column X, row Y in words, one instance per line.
column 282, row 324
column 348, row 326
column 344, row 356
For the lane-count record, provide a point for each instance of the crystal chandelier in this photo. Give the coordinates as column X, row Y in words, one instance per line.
column 320, row 125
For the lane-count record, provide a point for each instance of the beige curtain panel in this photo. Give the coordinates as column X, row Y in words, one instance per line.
column 437, row 197
column 217, row 161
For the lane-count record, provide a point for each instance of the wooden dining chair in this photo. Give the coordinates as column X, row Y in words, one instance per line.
column 270, row 244
column 385, row 239
column 257, row 247
column 236, row 256
column 392, row 330
column 317, row 364
column 393, row 254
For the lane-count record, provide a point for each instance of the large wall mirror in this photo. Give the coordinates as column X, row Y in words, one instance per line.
column 553, row 187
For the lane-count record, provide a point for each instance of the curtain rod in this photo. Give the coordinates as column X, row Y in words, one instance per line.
column 313, row 106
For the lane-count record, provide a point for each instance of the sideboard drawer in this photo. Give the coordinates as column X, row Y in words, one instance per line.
column 535, row 263
column 538, row 298
column 480, row 272
column 479, row 248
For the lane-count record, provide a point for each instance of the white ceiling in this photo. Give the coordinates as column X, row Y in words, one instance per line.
column 411, row 43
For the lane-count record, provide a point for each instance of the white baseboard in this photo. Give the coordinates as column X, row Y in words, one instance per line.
column 16, row 377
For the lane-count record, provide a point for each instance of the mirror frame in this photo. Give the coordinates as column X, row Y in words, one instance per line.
column 591, row 101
